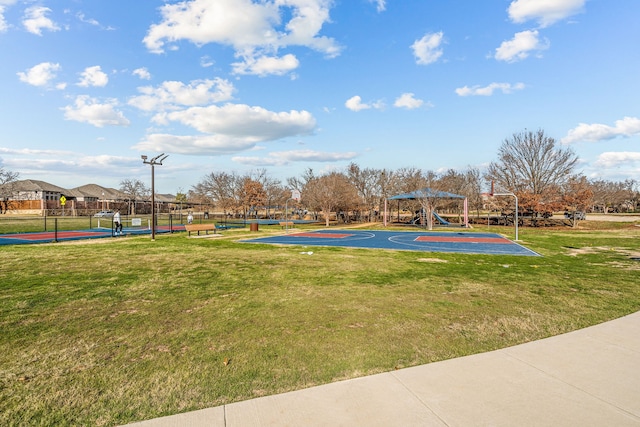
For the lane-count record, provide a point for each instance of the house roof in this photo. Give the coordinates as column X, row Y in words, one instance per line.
column 35, row 185
column 95, row 190
column 87, row 190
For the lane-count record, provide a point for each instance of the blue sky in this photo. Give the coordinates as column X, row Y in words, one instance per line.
column 239, row 85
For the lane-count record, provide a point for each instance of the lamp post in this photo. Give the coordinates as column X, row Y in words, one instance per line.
column 516, row 217
column 157, row 160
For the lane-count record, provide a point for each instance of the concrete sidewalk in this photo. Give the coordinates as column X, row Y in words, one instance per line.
column 590, row 377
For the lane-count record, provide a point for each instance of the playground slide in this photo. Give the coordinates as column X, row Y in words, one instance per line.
column 440, row 219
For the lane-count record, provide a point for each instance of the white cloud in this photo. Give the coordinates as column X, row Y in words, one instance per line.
column 266, row 65
column 35, row 20
column 39, row 75
column 617, row 159
column 254, row 29
column 281, row 158
column 244, row 121
column 427, row 50
column 93, row 76
column 520, row 46
column 355, row 104
column 3, row 23
column 194, row 144
column 488, row 90
column 627, row 127
column 546, row 12
column 206, row 61
column 380, row 5
column 82, row 18
column 142, row 73
column 231, row 128
column 408, row 101
column 89, row 110
column 171, row 95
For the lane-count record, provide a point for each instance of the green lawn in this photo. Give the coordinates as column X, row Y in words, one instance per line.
column 110, row 331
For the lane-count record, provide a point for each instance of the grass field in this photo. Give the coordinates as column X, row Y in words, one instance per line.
column 110, row 331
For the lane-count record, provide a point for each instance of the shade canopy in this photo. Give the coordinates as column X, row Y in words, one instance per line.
column 426, row 193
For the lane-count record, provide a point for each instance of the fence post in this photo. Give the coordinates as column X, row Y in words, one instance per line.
column 55, row 233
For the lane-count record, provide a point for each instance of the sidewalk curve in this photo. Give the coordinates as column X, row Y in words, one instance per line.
column 589, row 377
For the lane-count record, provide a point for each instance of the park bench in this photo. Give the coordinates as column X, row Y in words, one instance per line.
column 286, row 224
column 200, row 227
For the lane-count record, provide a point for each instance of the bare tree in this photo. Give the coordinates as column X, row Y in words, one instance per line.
column 7, row 188
column 274, row 192
column 613, row 196
column 329, row 193
column 531, row 165
column 135, row 191
column 222, row 189
column 366, row 182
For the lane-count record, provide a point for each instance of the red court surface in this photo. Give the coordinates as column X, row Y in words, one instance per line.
column 50, row 235
column 66, row 235
column 426, row 241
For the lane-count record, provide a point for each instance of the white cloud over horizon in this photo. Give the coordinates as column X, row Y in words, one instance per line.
column 626, row 127
column 227, row 129
column 282, row 158
column 609, row 160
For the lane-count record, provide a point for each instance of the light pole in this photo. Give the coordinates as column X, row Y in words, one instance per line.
column 157, row 160
column 516, row 218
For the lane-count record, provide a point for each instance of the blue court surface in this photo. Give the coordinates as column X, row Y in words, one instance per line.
column 470, row 243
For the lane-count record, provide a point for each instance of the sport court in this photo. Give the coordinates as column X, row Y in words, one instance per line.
column 66, row 235
column 469, row 243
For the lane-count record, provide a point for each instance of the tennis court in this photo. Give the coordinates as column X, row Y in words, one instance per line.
column 458, row 242
column 66, row 235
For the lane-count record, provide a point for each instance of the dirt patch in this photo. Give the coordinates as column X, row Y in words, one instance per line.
column 613, row 218
column 633, row 255
column 431, row 260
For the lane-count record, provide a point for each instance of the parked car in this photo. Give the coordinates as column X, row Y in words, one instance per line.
column 579, row 215
column 104, row 214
